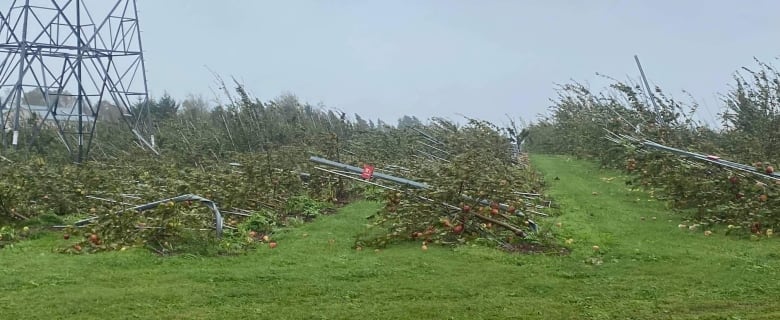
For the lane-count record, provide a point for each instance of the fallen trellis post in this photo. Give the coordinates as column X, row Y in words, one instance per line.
column 219, row 224
column 419, row 185
column 497, row 222
column 428, row 137
column 697, row 156
column 431, row 156
column 434, row 148
column 378, row 175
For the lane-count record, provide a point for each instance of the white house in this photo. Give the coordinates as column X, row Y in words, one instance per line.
column 63, row 114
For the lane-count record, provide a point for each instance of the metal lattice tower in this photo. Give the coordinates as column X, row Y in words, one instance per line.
column 66, row 66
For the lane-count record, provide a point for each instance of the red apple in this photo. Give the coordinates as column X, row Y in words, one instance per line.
column 511, row 209
column 466, row 208
column 494, row 211
column 770, row 169
column 458, row 229
column 272, row 244
column 66, row 236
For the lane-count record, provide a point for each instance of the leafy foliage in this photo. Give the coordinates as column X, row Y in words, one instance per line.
column 580, row 120
column 251, row 158
column 462, row 203
column 10, row 235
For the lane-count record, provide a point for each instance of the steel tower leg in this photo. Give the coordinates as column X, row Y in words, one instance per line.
column 67, row 66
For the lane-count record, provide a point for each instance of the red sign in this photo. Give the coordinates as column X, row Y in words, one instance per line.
column 368, row 172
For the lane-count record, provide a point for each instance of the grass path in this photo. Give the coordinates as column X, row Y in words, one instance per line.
column 649, row 270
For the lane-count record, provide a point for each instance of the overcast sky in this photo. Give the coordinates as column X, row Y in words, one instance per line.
column 484, row 58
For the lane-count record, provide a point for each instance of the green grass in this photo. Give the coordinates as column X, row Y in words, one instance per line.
column 649, row 269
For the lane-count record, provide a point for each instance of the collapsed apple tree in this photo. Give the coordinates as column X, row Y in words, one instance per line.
column 251, row 159
column 477, row 189
column 705, row 192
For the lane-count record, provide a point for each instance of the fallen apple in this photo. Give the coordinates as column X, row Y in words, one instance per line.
column 272, row 244
column 755, row 228
column 458, row 229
